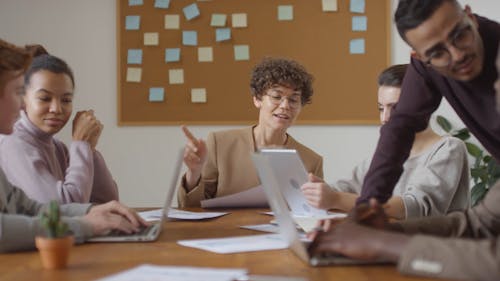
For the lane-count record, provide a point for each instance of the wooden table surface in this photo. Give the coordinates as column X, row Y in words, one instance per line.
column 96, row 260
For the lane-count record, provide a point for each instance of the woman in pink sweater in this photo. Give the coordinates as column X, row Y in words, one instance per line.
column 40, row 164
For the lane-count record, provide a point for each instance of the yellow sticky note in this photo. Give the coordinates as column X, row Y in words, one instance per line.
column 239, row 20
column 176, row 76
column 199, row 95
column 134, row 74
column 151, row 39
column 172, row 22
column 205, row 54
column 329, row 5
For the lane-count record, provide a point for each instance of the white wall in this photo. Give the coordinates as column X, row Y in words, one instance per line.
column 140, row 158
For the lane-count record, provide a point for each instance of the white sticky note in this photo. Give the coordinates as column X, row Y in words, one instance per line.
column 329, row 5
column 241, row 52
column 134, row 74
column 239, row 20
column 191, row 11
column 357, row 46
column 285, row 12
column 357, row 6
column 198, row 95
column 205, row 54
column 162, row 4
column 359, row 23
column 190, row 38
column 176, row 76
column 156, row 94
column 132, row 22
column 151, row 39
column 222, row 34
column 218, row 20
column 172, row 22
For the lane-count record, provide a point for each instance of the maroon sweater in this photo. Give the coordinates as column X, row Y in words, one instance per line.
column 421, row 94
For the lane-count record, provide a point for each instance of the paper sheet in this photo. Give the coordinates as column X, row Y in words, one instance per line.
column 198, row 95
column 285, row 12
column 222, row 34
column 190, row 38
column 176, row 76
column 253, row 197
column 205, row 54
column 357, row 46
column 265, row 227
column 132, row 22
column 162, row 4
column 156, row 94
column 134, row 74
column 239, row 20
column 238, row 244
column 148, row 272
column 357, row 6
column 172, row 54
column 155, row 215
column 218, row 20
column 151, row 39
column 329, row 5
column 172, row 22
column 241, row 52
column 134, row 56
column 191, row 11
column 359, row 23
column 309, row 223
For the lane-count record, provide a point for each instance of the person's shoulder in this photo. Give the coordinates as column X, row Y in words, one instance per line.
column 451, row 143
column 303, row 149
column 232, row 134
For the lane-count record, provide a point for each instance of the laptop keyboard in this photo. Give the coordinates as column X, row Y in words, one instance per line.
column 143, row 231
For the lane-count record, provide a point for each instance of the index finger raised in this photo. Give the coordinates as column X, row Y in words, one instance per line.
column 189, row 135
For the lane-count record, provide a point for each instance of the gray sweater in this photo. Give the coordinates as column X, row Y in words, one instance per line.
column 19, row 221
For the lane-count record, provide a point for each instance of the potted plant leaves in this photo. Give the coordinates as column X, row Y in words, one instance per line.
column 55, row 245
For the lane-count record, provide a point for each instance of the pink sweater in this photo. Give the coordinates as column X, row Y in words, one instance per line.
column 46, row 170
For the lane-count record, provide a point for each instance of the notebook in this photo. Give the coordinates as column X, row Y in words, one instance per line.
column 286, row 224
column 291, row 174
column 151, row 232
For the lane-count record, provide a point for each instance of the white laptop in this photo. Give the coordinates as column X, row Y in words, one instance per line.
column 152, row 232
column 291, row 174
column 286, row 224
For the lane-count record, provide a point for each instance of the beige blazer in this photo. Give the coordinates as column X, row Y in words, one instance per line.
column 229, row 168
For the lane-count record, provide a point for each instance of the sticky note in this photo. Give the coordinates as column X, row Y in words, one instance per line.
column 134, row 56
column 222, row 34
column 198, row 95
column 135, row 2
column 241, row 52
column 218, row 20
column 151, row 38
column 357, row 46
column 172, row 54
column 134, row 74
column 172, row 22
column 359, row 23
column 191, row 11
column 132, row 22
column 239, row 20
column 156, row 94
column 205, row 54
column 162, row 4
column 285, row 12
column 329, row 5
column 357, row 6
column 176, row 76
column 190, row 38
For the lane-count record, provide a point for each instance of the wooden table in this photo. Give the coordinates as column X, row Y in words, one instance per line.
column 96, row 260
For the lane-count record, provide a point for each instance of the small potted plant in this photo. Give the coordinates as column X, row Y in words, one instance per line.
column 55, row 245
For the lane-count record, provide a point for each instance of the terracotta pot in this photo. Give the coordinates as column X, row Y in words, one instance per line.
column 54, row 252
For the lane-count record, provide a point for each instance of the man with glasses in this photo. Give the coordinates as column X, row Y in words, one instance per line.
column 454, row 53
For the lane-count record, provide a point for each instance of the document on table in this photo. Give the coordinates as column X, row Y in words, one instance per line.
column 253, row 197
column 155, row 215
column 308, row 223
column 147, row 272
column 238, row 244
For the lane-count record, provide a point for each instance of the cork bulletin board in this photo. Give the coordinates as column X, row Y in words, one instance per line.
column 189, row 62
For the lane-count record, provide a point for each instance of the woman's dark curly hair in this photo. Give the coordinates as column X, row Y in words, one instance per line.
column 283, row 72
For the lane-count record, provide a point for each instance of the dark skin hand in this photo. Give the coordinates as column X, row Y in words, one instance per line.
column 361, row 236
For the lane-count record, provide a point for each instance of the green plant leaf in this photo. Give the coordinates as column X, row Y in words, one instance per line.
column 444, row 123
column 478, row 192
column 474, row 150
column 462, row 134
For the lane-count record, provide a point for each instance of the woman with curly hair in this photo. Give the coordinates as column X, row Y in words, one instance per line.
column 222, row 165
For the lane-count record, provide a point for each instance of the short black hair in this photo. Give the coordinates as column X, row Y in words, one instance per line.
column 411, row 13
column 50, row 63
column 393, row 75
column 283, row 72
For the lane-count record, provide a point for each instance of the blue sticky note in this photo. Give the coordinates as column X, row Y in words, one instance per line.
column 190, row 38
column 172, row 54
column 162, row 4
column 132, row 22
column 191, row 11
column 357, row 46
column 222, row 34
column 134, row 56
column 135, row 2
column 359, row 23
column 156, row 94
column 357, row 6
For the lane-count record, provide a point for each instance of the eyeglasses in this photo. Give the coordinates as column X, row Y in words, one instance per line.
column 294, row 101
column 461, row 39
